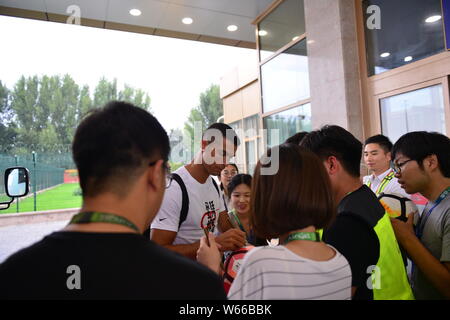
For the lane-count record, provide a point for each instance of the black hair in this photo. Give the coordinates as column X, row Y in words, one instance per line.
column 112, row 143
column 381, row 140
column 332, row 140
column 296, row 138
column 239, row 179
column 420, row 144
column 225, row 130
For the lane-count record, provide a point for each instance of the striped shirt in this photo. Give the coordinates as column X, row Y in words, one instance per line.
column 278, row 273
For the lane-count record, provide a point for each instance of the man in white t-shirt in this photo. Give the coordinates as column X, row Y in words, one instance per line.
column 377, row 156
column 206, row 209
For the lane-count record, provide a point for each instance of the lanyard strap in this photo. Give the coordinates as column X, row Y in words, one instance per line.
column 308, row 236
column 237, row 220
column 424, row 219
column 87, row 217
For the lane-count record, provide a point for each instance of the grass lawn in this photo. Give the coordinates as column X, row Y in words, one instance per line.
column 60, row 197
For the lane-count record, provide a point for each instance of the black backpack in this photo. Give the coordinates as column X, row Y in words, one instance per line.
column 184, row 202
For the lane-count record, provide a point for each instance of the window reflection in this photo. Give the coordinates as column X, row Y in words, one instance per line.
column 288, row 123
column 285, row 78
column 417, row 110
column 281, row 26
column 410, row 30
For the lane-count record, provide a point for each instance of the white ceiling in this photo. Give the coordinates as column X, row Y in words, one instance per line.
column 211, row 17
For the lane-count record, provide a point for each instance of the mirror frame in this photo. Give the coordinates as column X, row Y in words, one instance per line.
column 27, row 177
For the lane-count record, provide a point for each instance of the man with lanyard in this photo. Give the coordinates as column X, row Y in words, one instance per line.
column 121, row 152
column 422, row 164
column 377, row 157
column 362, row 231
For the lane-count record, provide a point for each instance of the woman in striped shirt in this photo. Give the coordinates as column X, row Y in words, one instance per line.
column 292, row 205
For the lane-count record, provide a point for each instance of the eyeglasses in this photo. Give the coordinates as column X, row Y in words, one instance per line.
column 398, row 167
column 169, row 176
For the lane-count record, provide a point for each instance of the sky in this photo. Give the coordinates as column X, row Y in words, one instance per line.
column 173, row 72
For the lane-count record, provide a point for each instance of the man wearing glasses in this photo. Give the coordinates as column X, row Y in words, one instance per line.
column 193, row 202
column 422, row 164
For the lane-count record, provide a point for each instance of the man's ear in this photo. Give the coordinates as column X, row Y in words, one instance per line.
column 431, row 162
column 332, row 165
column 156, row 174
column 389, row 155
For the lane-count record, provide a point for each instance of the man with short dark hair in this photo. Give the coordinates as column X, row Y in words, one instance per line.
column 193, row 202
column 377, row 156
column 362, row 231
column 121, row 152
column 422, row 164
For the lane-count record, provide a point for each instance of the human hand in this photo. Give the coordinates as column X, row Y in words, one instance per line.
column 209, row 256
column 231, row 240
column 404, row 230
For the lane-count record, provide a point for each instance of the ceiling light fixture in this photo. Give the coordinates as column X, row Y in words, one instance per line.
column 187, row 20
column 433, row 19
column 385, row 54
column 262, row 33
column 135, row 12
column 232, row 28
column 408, row 58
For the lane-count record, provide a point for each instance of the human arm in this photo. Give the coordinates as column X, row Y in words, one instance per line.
column 209, row 256
column 437, row 272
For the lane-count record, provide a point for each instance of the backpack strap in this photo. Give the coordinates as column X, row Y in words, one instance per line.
column 184, row 199
column 216, row 186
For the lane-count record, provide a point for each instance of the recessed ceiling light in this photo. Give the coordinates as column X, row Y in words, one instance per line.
column 187, row 20
column 408, row 58
column 433, row 19
column 232, row 28
column 385, row 54
column 135, row 12
column 262, row 33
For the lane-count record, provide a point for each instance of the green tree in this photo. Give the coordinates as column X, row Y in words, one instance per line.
column 104, row 92
column 25, row 105
column 7, row 126
column 207, row 113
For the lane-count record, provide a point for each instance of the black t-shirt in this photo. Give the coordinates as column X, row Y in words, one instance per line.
column 111, row 266
column 352, row 234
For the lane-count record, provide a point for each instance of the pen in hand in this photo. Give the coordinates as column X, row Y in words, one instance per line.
column 205, row 230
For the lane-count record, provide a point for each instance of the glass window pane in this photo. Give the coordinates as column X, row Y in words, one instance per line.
column 251, row 126
column 285, row 78
column 250, row 154
column 288, row 123
column 410, row 30
column 417, row 110
column 281, row 26
column 239, row 158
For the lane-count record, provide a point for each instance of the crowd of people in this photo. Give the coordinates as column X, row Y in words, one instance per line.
column 313, row 229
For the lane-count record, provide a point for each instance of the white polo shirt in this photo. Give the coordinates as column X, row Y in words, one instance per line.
column 392, row 187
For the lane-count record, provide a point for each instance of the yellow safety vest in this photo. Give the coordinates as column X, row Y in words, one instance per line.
column 389, row 278
column 383, row 183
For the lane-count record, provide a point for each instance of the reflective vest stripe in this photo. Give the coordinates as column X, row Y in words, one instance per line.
column 383, row 183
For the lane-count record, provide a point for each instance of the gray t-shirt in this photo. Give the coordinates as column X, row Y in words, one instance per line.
column 436, row 238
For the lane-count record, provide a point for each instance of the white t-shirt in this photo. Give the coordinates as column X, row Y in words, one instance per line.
column 278, row 273
column 392, row 187
column 205, row 204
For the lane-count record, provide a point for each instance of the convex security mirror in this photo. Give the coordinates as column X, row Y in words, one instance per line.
column 16, row 184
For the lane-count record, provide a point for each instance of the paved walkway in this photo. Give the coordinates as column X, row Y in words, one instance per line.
column 14, row 238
